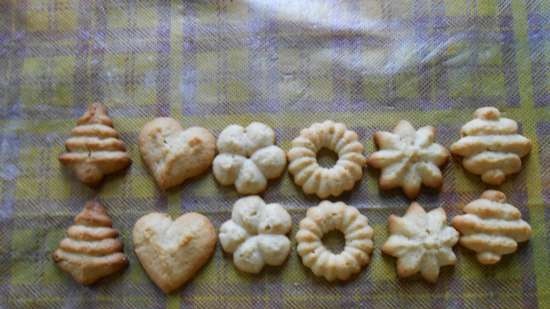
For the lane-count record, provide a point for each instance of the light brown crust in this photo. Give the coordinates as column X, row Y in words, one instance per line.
column 490, row 146
column 408, row 159
column 315, row 179
column 358, row 235
column 173, row 251
column 172, row 154
column 92, row 250
column 94, row 148
column 422, row 242
column 491, row 227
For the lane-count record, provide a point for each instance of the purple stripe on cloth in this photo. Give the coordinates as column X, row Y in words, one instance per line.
column 540, row 68
column 188, row 74
column 163, row 61
column 508, row 55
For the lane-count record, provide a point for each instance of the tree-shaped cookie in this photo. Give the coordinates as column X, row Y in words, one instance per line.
column 491, row 227
column 91, row 249
column 94, row 148
column 421, row 242
column 408, row 158
column 491, row 146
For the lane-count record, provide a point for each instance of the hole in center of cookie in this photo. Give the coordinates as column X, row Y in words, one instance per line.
column 334, row 241
column 326, row 157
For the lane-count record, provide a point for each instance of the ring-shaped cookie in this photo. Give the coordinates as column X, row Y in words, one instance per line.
column 323, row 181
column 326, row 217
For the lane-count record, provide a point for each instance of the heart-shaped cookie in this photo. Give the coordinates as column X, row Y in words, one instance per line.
column 171, row 252
column 173, row 154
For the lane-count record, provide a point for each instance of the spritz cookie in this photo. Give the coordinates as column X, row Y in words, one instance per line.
column 95, row 149
column 421, row 242
column 490, row 146
column 256, row 234
column 326, row 217
column 491, row 227
column 248, row 158
column 408, row 158
column 322, row 181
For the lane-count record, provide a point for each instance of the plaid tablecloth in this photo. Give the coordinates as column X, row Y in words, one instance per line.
column 367, row 63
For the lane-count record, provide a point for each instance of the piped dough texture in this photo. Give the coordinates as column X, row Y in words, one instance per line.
column 92, row 249
column 326, row 217
column 248, row 158
column 95, row 149
column 408, row 158
column 256, row 234
column 490, row 146
column 421, row 242
column 322, row 181
column 173, row 154
column 491, row 227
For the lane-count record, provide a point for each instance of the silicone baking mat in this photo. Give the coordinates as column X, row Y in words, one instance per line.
column 366, row 63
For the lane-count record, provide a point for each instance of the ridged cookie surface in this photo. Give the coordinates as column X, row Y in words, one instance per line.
column 91, row 249
column 421, row 241
column 95, row 148
column 491, row 227
column 490, row 146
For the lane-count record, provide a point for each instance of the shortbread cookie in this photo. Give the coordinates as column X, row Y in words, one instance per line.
column 491, row 227
column 315, row 179
column 491, row 146
column 95, row 148
column 91, row 249
column 173, row 154
column 256, row 234
column 421, row 242
column 408, row 158
column 247, row 158
column 172, row 252
column 326, row 217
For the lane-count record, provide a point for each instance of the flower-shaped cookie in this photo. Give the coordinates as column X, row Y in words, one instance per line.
column 421, row 242
column 256, row 234
column 408, row 158
column 247, row 158
column 491, row 146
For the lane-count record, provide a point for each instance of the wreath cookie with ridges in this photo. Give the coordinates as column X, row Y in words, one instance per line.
column 326, row 217
column 322, row 181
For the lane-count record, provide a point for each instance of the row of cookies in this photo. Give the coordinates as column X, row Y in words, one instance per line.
column 172, row 251
column 247, row 157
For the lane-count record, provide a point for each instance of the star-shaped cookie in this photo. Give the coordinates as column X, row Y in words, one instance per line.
column 408, row 158
column 421, row 242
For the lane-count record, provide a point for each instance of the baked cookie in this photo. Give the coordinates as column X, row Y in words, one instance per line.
column 491, row 227
column 491, row 146
column 173, row 154
column 408, row 158
column 421, row 242
column 315, row 179
column 173, row 251
column 247, row 158
column 95, row 148
column 326, row 217
column 91, row 249
column 256, row 234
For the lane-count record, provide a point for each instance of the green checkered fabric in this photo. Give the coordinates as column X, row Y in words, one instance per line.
column 367, row 63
